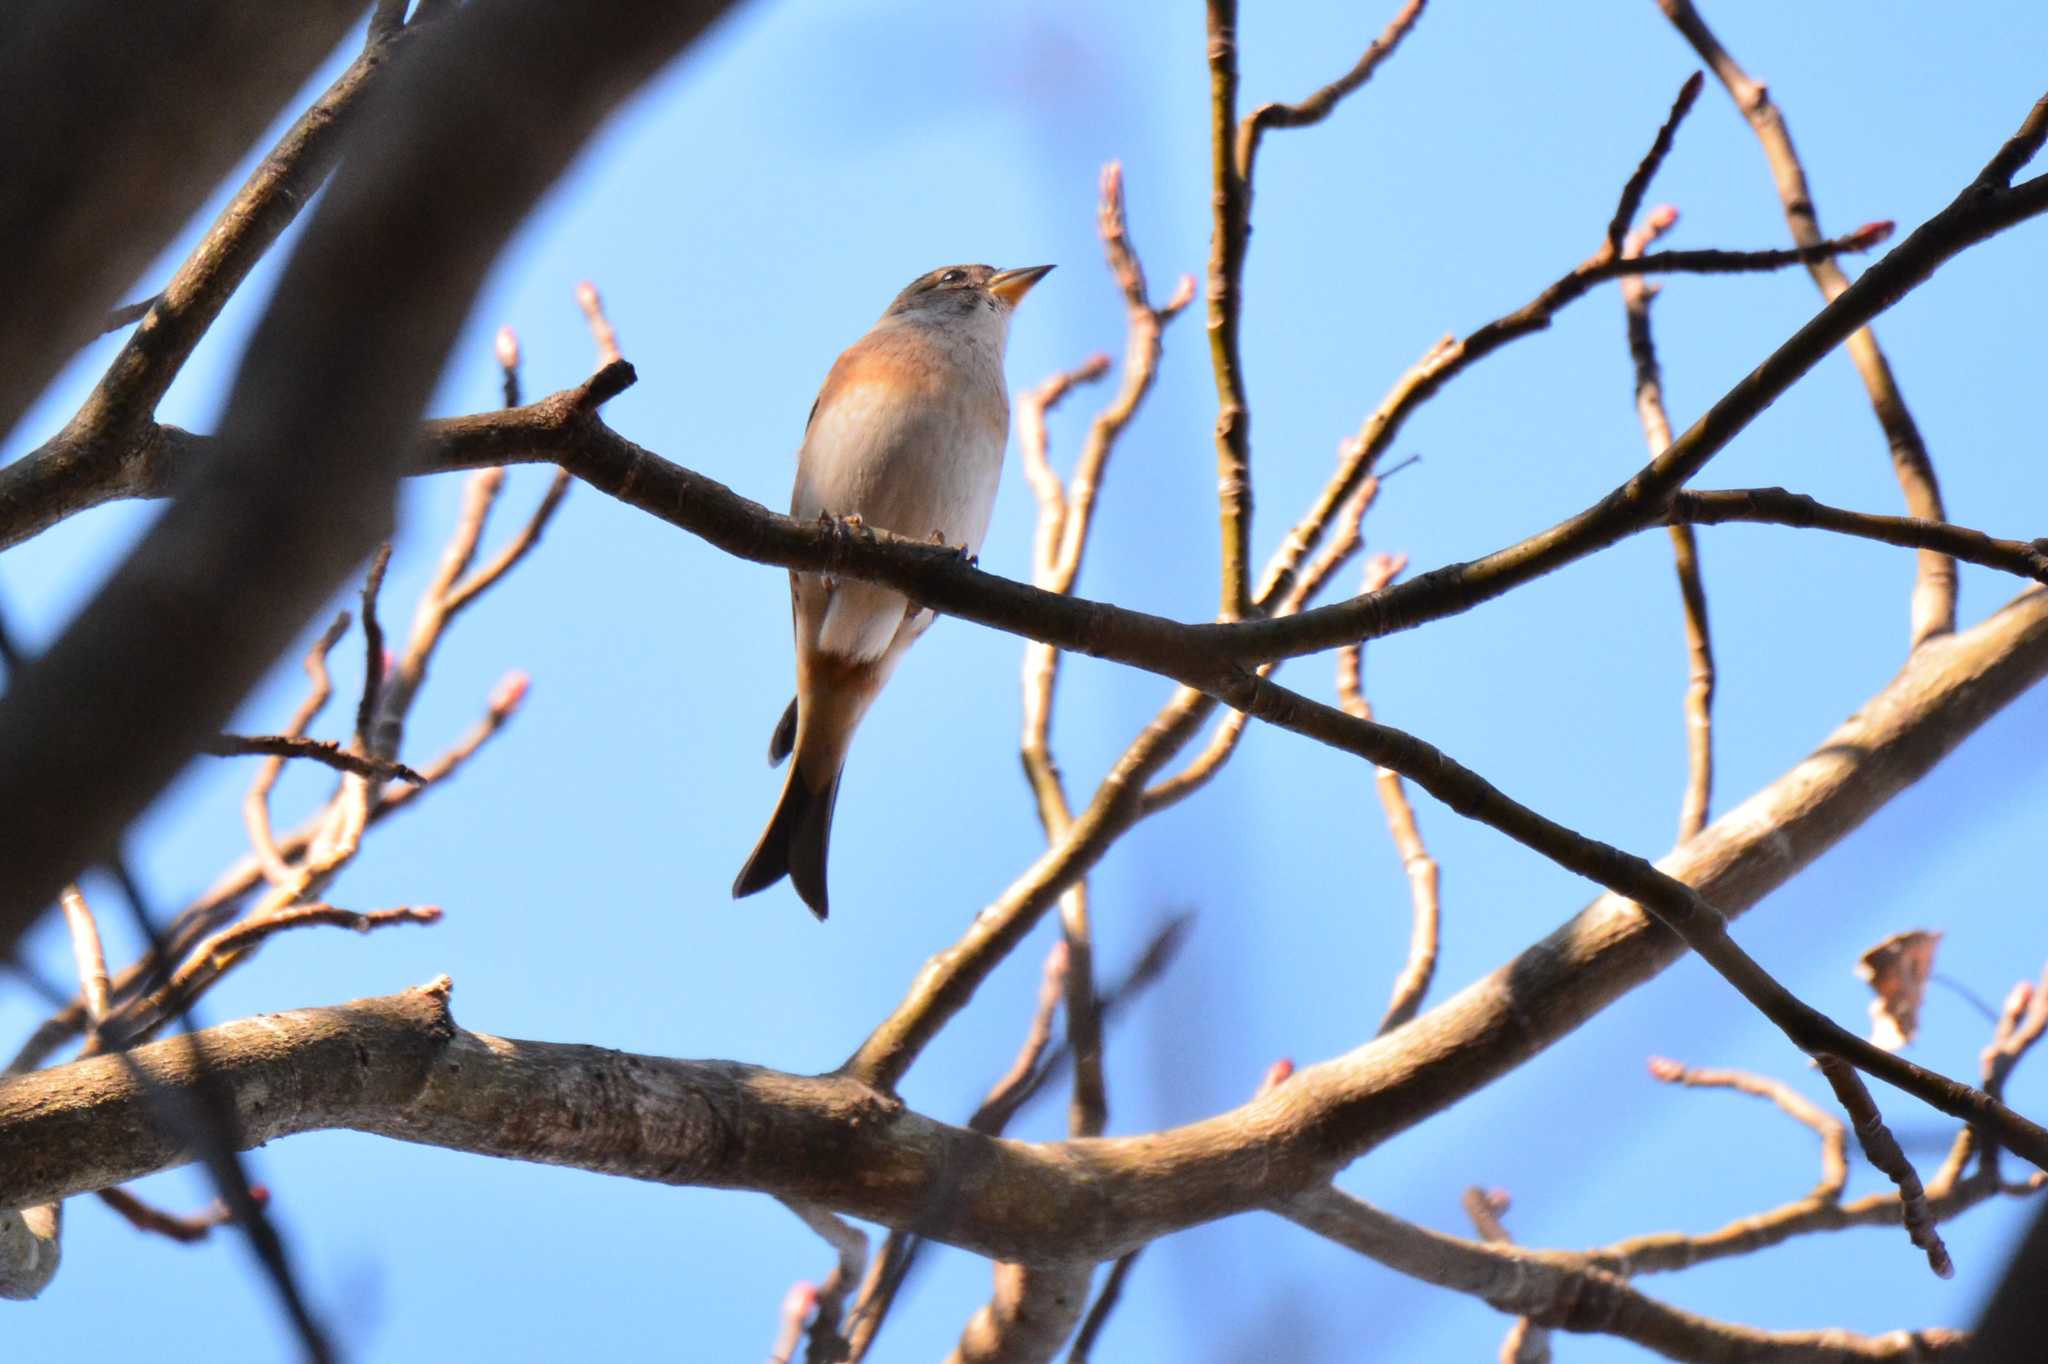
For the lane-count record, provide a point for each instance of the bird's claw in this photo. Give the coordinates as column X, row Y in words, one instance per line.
column 966, row 555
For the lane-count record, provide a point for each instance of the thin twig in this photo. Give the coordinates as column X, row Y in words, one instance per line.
column 1066, row 516
column 1638, row 183
column 1525, row 1342
column 1423, row 877
column 506, row 348
column 256, row 805
column 850, row 1246
column 214, row 957
column 1301, row 591
column 1776, row 506
column 601, row 331
column 128, row 314
column 1451, row 356
column 374, row 662
column 1636, row 295
column 1014, row 1087
column 797, row 1305
column 1834, row 1138
column 1566, row 1292
column 186, row 1229
column 88, row 953
column 323, row 751
column 1234, row 149
column 515, row 549
column 1934, row 591
column 1105, row 1302
column 1881, row 1149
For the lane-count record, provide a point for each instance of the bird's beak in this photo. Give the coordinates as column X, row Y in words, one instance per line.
column 1012, row 285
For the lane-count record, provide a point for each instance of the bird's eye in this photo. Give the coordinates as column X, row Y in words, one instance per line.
column 952, row 277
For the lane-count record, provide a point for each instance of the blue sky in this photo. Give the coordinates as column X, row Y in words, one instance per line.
column 748, row 217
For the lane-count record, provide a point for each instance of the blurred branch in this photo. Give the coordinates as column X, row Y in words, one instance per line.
column 850, row 1246
column 323, row 751
column 166, row 87
column 90, row 956
column 486, row 110
column 256, row 805
column 187, row 1229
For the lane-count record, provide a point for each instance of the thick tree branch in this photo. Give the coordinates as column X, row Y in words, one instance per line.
column 400, row 1067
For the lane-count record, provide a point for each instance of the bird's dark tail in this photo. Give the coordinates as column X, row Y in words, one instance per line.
column 795, row 842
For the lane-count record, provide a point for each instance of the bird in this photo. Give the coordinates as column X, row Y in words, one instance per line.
column 907, row 435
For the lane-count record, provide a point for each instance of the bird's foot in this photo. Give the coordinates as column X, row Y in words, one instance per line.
column 939, row 539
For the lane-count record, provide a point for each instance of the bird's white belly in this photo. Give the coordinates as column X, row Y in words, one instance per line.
column 919, row 468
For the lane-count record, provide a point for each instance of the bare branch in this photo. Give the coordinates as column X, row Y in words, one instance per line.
column 1834, row 1140
column 1423, row 886
column 1558, row 1290
column 186, row 1229
column 256, row 805
column 1637, row 295
column 1639, row 180
column 323, row 751
column 91, row 957
column 850, row 1246
column 1882, row 1150
column 1934, row 592
column 1775, row 506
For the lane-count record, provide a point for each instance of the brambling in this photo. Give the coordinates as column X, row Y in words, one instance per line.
column 907, row 435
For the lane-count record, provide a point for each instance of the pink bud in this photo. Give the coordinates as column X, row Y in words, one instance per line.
column 1277, row 1075
column 508, row 348
column 1665, row 1069
column 1661, row 218
column 801, row 1298
column 1870, row 234
column 510, row 691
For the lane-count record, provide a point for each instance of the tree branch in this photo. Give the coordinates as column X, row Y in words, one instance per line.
column 1934, row 592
